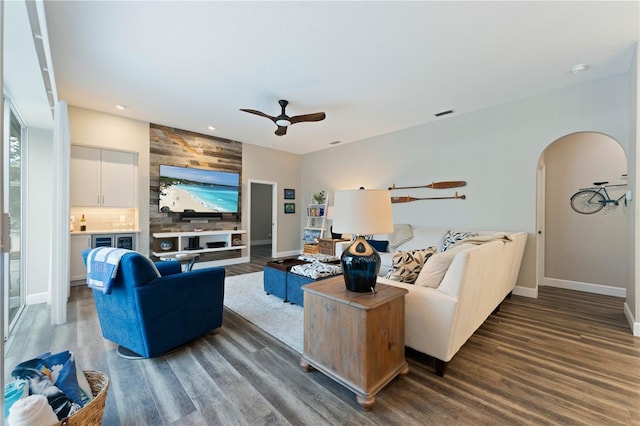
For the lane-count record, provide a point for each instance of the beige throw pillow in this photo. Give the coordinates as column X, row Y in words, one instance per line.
column 406, row 265
column 437, row 265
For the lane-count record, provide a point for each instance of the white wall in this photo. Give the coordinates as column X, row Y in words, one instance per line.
column 582, row 248
column 283, row 168
column 495, row 150
column 98, row 129
column 39, row 204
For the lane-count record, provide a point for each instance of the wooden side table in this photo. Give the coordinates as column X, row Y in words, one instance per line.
column 357, row 339
column 186, row 260
column 327, row 246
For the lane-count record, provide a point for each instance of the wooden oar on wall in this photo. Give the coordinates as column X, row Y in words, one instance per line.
column 406, row 199
column 434, row 185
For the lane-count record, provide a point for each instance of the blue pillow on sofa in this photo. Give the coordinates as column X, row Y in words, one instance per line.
column 379, row 245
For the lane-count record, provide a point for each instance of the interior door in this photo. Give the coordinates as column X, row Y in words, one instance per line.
column 262, row 227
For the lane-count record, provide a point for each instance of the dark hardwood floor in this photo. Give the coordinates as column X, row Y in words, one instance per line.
column 565, row 358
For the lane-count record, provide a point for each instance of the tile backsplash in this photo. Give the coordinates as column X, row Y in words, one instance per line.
column 104, row 219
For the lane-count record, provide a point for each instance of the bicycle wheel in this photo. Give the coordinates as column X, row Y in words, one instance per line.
column 587, row 202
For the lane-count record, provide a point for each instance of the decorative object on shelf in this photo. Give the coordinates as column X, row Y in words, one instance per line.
column 316, row 220
column 362, row 212
column 289, row 207
column 405, row 199
column 166, row 245
column 311, row 236
column 319, row 197
column 434, row 185
column 289, row 194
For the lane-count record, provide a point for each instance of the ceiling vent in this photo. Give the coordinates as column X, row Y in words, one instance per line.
column 440, row 114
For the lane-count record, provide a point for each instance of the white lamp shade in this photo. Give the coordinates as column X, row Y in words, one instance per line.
column 362, row 212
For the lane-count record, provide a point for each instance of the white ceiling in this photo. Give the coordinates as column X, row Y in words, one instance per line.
column 22, row 79
column 373, row 67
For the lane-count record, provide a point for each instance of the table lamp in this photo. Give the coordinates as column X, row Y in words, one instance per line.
column 362, row 212
column 329, row 217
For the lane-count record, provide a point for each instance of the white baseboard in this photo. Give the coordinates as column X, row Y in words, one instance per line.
column 526, row 291
column 260, row 242
column 635, row 325
column 586, row 287
column 35, row 299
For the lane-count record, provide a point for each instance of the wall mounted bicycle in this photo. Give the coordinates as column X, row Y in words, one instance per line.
column 592, row 200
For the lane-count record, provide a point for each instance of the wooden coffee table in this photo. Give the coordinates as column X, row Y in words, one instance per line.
column 357, row 339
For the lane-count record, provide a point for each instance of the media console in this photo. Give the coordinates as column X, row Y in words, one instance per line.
column 172, row 243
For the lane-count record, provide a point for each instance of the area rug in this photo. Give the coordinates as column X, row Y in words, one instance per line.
column 244, row 294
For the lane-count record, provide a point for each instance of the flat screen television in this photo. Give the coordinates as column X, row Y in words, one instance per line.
column 191, row 190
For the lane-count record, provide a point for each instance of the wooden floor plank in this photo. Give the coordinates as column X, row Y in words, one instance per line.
column 564, row 358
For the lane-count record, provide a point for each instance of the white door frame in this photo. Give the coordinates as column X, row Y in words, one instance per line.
column 540, row 223
column 274, row 214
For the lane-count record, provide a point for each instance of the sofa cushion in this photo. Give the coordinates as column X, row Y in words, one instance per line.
column 453, row 237
column 437, row 265
column 424, row 237
column 407, row 264
column 379, row 245
column 401, row 234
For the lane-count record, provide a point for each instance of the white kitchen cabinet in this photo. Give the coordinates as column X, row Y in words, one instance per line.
column 102, row 177
column 77, row 268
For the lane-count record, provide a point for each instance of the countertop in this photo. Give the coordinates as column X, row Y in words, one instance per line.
column 104, row 231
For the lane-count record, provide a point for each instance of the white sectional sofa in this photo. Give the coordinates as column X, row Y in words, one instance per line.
column 440, row 319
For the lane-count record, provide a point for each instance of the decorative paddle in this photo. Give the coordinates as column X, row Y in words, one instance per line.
column 434, row 185
column 406, row 199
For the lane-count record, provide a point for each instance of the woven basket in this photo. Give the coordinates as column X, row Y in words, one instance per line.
column 91, row 414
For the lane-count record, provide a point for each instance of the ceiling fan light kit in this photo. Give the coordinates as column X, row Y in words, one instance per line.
column 283, row 120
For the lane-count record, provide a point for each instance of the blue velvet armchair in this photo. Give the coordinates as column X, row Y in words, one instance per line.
column 150, row 315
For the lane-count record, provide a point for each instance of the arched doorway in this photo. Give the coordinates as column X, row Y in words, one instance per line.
column 578, row 251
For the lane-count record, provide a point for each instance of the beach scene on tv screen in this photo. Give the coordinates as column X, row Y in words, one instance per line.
column 185, row 189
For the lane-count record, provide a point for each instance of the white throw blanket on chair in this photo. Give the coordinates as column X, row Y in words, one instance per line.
column 102, row 267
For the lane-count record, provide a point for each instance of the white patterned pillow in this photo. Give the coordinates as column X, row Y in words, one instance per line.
column 407, row 265
column 317, row 270
column 452, row 237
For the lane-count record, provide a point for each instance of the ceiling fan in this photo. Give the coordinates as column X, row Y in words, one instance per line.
column 283, row 120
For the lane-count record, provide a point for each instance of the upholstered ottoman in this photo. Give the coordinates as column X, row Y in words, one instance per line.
column 276, row 276
column 300, row 275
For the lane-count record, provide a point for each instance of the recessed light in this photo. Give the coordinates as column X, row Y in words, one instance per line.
column 579, row 68
column 211, row 128
column 121, row 107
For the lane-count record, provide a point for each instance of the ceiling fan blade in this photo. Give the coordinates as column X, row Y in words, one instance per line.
column 281, row 131
column 318, row 116
column 260, row 113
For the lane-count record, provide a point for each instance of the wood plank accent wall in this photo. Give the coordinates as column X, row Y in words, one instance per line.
column 189, row 149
